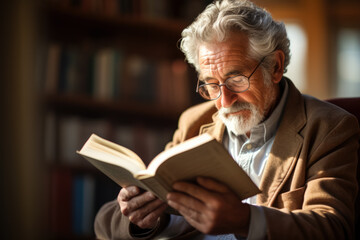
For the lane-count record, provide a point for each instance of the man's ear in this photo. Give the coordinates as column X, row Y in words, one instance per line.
column 278, row 70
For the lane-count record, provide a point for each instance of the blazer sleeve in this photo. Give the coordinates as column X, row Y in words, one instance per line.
column 111, row 224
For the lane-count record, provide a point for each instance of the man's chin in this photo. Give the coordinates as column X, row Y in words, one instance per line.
column 238, row 124
column 240, row 119
column 234, row 123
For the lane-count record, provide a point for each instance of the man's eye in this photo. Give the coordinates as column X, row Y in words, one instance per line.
column 237, row 79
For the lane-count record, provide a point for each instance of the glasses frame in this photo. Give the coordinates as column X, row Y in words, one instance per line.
column 224, row 84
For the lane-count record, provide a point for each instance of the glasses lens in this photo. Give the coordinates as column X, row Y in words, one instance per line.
column 209, row 91
column 237, row 83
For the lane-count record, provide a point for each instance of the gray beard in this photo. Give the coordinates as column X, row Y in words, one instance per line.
column 239, row 124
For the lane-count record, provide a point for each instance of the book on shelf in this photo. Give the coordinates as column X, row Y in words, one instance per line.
column 52, row 68
column 75, row 198
column 83, row 204
column 60, row 201
column 198, row 156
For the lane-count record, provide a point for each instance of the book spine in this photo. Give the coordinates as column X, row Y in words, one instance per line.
column 52, row 68
column 77, row 206
column 88, row 212
column 69, row 140
column 60, row 202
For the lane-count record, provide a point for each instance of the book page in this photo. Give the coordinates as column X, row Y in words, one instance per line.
column 185, row 146
column 113, row 148
column 120, row 175
column 113, row 160
column 208, row 160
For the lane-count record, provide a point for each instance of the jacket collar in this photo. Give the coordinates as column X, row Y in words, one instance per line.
column 282, row 160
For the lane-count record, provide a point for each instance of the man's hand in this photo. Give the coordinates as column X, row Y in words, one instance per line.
column 210, row 207
column 142, row 208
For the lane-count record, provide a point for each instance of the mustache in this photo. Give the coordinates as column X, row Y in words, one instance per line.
column 237, row 106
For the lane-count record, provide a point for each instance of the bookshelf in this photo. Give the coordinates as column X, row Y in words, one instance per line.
column 112, row 68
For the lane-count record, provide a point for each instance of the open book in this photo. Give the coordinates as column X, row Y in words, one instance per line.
column 198, row 156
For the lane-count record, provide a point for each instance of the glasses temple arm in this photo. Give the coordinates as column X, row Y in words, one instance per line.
column 257, row 66
column 197, row 85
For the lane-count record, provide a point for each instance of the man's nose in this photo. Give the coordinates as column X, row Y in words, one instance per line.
column 227, row 97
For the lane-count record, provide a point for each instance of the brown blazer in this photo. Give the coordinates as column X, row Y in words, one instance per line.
column 309, row 182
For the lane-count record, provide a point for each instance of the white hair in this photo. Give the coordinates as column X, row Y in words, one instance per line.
column 223, row 17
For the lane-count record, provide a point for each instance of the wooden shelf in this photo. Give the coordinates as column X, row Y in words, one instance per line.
column 68, row 14
column 77, row 23
column 117, row 110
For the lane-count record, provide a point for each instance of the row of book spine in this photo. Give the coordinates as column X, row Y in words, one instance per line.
column 75, row 198
column 109, row 74
column 73, row 131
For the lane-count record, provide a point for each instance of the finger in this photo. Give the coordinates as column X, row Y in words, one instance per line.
column 139, row 214
column 212, row 185
column 185, row 204
column 193, row 190
column 129, row 192
column 194, row 217
column 139, row 201
column 186, row 212
column 194, row 222
column 209, row 199
column 151, row 219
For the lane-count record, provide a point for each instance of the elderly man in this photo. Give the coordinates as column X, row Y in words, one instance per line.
column 300, row 151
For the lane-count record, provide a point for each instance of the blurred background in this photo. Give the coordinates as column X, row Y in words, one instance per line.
column 69, row 68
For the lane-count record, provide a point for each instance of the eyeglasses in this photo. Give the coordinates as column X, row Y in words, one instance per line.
column 237, row 84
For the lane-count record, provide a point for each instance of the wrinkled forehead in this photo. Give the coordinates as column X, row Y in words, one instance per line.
column 223, row 56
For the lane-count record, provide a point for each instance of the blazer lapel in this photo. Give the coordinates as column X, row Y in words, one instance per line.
column 215, row 129
column 285, row 150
